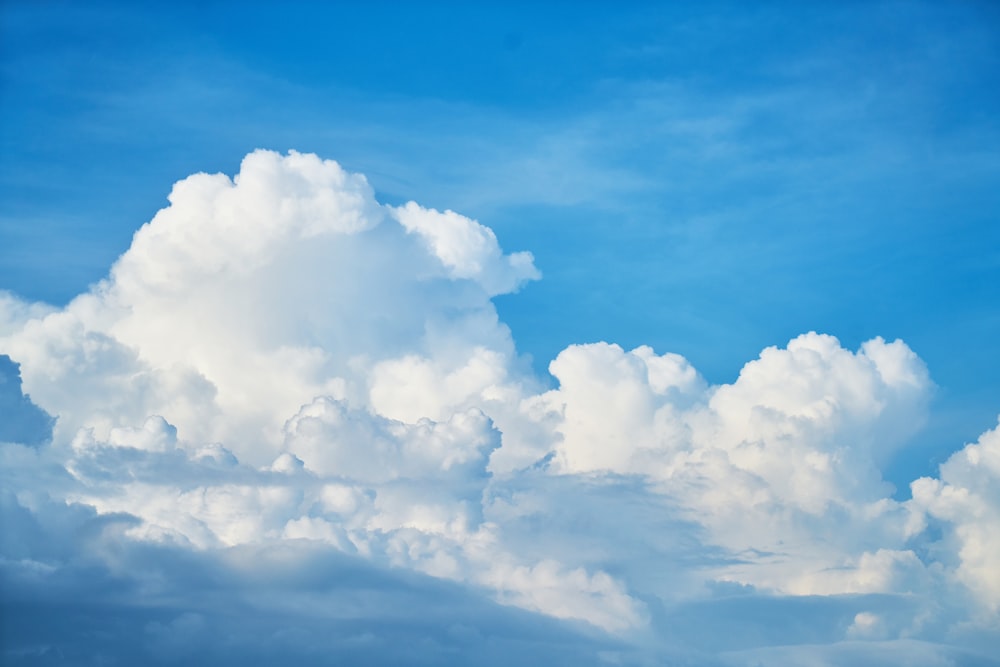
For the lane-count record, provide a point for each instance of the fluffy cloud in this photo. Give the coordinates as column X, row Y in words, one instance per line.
column 965, row 505
column 248, row 297
column 283, row 380
column 767, row 464
column 467, row 249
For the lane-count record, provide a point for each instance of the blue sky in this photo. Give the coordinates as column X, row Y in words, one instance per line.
column 706, row 179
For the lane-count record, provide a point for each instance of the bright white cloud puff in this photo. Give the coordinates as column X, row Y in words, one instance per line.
column 306, row 398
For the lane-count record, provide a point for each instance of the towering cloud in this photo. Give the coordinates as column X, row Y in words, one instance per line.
column 306, row 397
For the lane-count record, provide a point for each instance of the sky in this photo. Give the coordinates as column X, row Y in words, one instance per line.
column 612, row 334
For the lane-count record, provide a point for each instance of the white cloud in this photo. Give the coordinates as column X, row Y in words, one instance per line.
column 248, row 297
column 966, row 500
column 866, row 625
column 14, row 312
column 280, row 364
column 768, row 464
column 467, row 249
column 334, row 440
column 550, row 589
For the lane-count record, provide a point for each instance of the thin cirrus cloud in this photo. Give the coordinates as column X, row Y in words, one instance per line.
column 290, row 423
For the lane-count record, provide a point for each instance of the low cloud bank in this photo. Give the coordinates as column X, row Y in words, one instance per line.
column 290, row 422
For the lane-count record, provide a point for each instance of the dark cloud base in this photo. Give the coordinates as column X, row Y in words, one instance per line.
column 317, row 607
column 20, row 419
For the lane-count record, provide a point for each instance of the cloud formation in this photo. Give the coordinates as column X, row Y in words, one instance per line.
column 307, row 398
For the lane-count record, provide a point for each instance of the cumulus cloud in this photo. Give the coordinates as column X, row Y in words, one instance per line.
column 248, row 297
column 965, row 506
column 284, row 383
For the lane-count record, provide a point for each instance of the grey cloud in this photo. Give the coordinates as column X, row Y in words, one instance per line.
column 296, row 601
column 20, row 419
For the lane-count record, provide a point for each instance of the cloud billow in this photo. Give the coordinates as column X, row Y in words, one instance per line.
column 307, row 398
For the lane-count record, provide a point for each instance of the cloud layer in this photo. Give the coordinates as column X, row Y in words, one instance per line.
column 306, row 398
